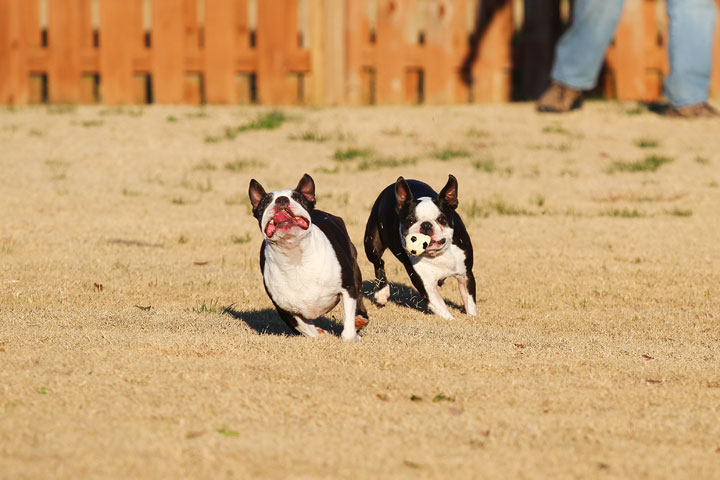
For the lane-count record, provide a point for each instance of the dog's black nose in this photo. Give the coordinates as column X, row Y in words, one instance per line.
column 426, row 228
column 282, row 201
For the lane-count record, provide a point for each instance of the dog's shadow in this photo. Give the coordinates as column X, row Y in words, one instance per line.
column 405, row 296
column 268, row 322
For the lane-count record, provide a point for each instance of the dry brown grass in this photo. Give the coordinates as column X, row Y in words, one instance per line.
column 595, row 353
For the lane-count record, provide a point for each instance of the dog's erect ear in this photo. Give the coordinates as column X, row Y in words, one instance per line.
column 449, row 193
column 306, row 186
column 403, row 195
column 256, row 192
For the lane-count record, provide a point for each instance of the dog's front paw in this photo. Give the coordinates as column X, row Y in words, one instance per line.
column 383, row 295
column 441, row 312
column 351, row 337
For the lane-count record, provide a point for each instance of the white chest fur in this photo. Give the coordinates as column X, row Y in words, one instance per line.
column 449, row 264
column 303, row 278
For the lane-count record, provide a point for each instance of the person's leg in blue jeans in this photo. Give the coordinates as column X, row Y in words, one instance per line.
column 580, row 52
column 691, row 26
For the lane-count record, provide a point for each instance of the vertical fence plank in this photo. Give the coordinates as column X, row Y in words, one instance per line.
column 492, row 71
column 357, row 40
column 443, row 49
column 220, row 51
column 627, row 53
column 64, row 46
column 390, row 43
column 168, row 42
column 276, row 38
column 121, row 37
column 13, row 73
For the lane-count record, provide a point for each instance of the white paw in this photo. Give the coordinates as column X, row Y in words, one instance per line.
column 350, row 337
column 472, row 312
column 441, row 311
column 382, row 295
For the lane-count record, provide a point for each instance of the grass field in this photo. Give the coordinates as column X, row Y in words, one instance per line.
column 137, row 341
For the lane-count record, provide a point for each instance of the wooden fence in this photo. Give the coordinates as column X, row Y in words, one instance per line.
column 322, row 52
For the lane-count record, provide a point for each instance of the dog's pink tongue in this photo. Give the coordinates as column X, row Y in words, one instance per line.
column 282, row 216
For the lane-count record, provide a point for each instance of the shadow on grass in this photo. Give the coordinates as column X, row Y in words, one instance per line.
column 268, row 322
column 405, row 296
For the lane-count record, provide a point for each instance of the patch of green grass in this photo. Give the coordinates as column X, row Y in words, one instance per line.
column 130, row 193
column 329, row 171
column 202, row 187
column 411, row 464
column 129, row 111
column 197, row 114
column 172, row 119
column 213, row 306
column 680, row 212
column 473, row 132
column 351, row 153
column 556, row 128
column 392, row 132
column 449, row 153
column 58, row 169
column 502, row 207
column 374, row 163
column 647, row 142
column 310, row 136
column 213, row 139
column 625, row 213
column 228, row 433
column 205, row 165
column 61, row 109
column 649, row 164
column 638, row 109
column 538, row 200
column 441, row 397
column 488, row 165
column 240, row 240
column 43, row 390
column 476, row 210
column 702, row 160
column 182, row 239
column 6, row 245
column 92, row 123
column 143, row 307
column 267, row 121
column 240, row 165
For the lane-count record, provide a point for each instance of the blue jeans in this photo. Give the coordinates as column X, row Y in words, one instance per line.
column 581, row 49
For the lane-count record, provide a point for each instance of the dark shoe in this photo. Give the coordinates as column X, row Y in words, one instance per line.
column 559, row 99
column 699, row 110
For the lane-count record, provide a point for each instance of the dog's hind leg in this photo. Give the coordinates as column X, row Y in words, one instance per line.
column 466, row 285
column 349, row 333
column 374, row 250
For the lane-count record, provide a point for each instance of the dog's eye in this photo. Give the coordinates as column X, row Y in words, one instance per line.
column 442, row 220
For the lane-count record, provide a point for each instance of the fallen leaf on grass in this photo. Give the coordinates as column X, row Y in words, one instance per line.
column 415, row 398
column 99, row 287
column 194, row 434
column 2, row 349
column 651, row 380
column 410, row 464
column 710, row 384
column 647, row 357
column 383, row 397
column 200, row 264
column 143, row 308
column 519, row 345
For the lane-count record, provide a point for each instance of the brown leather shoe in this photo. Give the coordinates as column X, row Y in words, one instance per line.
column 559, row 99
column 699, row 110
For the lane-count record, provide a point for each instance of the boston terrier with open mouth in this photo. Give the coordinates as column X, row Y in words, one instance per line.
column 307, row 260
column 412, row 207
